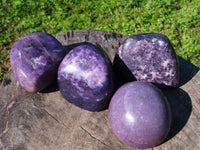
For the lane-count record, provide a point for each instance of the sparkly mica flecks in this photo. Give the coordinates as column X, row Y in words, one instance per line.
column 151, row 58
column 85, row 78
column 139, row 115
column 35, row 59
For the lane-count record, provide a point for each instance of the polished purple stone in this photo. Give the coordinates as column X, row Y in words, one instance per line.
column 35, row 59
column 151, row 58
column 139, row 115
column 85, row 78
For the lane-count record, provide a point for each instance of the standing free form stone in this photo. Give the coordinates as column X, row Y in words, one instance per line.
column 85, row 78
column 151, row 58
column 139, row 114
column 35, row 59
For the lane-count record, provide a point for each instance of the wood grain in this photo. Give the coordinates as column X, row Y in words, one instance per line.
column 46, row 121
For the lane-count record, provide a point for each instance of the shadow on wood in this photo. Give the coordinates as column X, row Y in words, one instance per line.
column 181, row 108
column 51, row 88
column 68, row 48
column 122, row 73
column 187, row 71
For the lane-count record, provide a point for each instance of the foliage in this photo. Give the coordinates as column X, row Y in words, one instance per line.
column 179, row 20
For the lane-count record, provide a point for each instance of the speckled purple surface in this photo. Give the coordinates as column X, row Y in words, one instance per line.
column 139, row 115
column 85, row 78
column 35, row 59
column 151, row 58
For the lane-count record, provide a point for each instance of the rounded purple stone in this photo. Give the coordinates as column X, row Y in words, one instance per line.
column 85, row 78
column 151, row 58
column 35, row 59
column 139, row 115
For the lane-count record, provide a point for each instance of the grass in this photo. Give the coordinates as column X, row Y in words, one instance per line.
column 177, row 19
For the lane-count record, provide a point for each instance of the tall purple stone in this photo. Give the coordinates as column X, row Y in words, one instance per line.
column 85, row 78
column 139, row 115
column 151, row 58
column 35, row 59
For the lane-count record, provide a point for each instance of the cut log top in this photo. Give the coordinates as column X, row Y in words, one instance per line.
column 46, row 121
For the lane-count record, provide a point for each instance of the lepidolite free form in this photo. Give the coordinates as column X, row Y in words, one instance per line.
column 35, row 59
column 139, row 115
column 85, row 78
column 151, row 58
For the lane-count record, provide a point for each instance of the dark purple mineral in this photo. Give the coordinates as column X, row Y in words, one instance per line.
column 35, row 59
column 151, row 58
column 139, row 115
column 85, row 78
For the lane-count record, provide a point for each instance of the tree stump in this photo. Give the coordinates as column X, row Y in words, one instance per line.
column 46, row 121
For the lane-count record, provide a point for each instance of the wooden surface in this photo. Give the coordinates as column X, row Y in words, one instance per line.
column 46, row 121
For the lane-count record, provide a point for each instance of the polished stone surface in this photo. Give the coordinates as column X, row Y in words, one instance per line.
column 151, row 58
column 85, row 78
column 139, row 115
column 34, row 59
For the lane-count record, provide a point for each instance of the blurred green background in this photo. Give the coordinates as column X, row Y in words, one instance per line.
column 177, row 19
